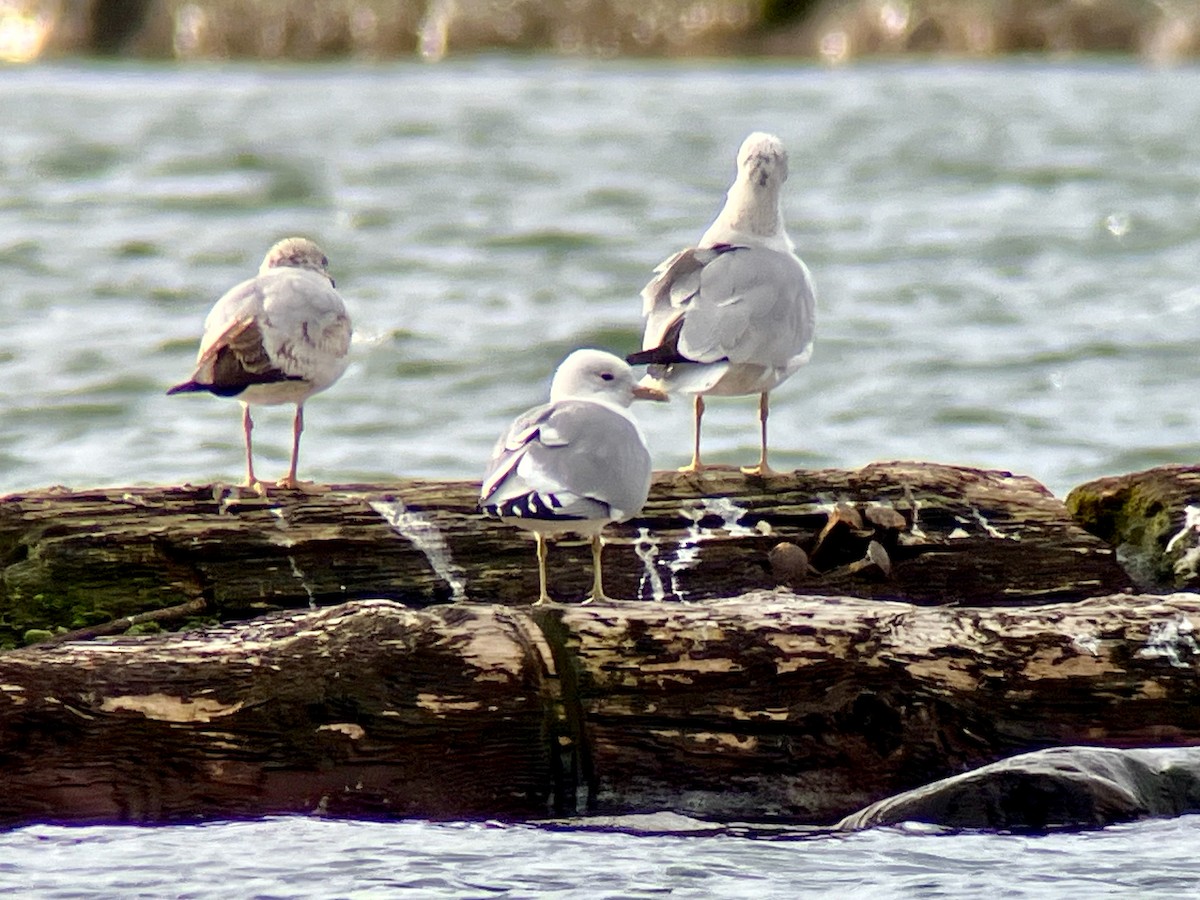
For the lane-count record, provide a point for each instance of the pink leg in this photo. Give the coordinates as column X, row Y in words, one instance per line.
column 289, row 480
column 247, row 427
column 762, row 468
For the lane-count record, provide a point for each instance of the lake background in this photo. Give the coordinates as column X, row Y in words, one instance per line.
column 1005, row 255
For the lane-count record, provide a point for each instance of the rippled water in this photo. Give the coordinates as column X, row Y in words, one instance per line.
column 1006, row 256
column 321, row 859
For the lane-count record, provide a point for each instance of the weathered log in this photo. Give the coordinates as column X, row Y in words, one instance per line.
column 1152, row 518
column 946, row 535
column 368, row 709
column 769, row 706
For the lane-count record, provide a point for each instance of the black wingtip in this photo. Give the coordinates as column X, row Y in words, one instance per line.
column 657, row 356
column 220, row 390
column 666, row 353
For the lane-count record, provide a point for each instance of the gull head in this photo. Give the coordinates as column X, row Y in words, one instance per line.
column 296, row 253
column 597, row 375
column 763, row 161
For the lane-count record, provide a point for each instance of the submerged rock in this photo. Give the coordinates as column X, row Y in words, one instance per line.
column 1058, row 788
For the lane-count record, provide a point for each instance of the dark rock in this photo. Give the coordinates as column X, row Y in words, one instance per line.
column 789, row 564
column 1058, row 788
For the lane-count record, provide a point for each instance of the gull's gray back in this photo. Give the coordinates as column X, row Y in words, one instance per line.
column 750, row 306
column 587, row 454
column 306, row 330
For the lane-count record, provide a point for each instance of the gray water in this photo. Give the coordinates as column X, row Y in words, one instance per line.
column 1006, row 257
column 279, row 858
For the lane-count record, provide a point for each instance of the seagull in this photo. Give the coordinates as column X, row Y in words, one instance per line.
column 735, row 314
column 279, row 337
column 576, row 463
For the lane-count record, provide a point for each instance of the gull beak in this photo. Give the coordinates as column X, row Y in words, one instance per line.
column 645, row 392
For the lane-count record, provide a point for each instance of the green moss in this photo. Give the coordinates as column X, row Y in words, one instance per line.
column 86, row 618
column 1139, row 518
column 28, row 603
column 36, row 636
column 1092, row 511
column 145, row 628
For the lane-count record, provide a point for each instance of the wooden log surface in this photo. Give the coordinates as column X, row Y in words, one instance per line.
column 918, row 532
column 368, row 709
column 768, row 706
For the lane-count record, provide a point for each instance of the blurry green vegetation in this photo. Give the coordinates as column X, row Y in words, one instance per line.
column 834, row 31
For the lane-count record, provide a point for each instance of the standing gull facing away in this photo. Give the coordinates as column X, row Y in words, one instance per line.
column 576, row 463
column 735, row 314
column 279, row 337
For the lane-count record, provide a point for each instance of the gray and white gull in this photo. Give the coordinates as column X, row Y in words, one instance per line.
column 575, row 464
column 278, row 337
column 736, row 313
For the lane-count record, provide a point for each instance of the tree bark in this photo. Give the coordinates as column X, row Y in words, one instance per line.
column 768, row 706
column 368, row 709
column 918, row 532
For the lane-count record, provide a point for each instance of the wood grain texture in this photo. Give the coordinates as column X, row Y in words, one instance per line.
column 368, row 709
column 74, row 559
column 778, row 705
column 772, row 706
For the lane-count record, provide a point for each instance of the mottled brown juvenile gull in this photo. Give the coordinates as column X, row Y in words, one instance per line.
column 279, row 337
column 576, row 463
column 735, row 314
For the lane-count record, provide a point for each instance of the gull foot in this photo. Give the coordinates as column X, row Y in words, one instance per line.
column 693, row 468
column 304, row 487
column 256, row 487
column 761, row 470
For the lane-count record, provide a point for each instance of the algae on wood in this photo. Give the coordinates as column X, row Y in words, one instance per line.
column 1152, row 518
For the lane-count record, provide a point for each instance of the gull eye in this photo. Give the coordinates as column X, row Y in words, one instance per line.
column 607, row 376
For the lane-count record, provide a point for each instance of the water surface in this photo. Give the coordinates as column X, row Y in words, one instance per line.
column 312, row 858
column 1005, row 256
